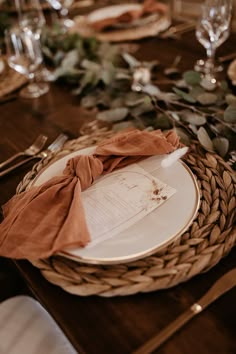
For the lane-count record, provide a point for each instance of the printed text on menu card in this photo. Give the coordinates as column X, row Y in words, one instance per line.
column 120, row 199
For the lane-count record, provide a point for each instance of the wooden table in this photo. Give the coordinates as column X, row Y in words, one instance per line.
column 117, row 325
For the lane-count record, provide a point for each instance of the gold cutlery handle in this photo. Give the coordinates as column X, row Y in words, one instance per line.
column 12, row 168
column 166, row 333
column 220, row 287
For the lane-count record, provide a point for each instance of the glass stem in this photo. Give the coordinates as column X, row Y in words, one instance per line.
column 211, row 60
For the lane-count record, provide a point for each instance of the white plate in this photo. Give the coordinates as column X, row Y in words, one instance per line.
column 2, row 66
column 232, row 72
column 111, row 12
column 155, row 230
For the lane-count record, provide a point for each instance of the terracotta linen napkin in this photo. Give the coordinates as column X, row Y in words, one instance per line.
column 49, row 218
column 148, row 7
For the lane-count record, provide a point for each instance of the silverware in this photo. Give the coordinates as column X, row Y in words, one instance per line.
column 221, row 286
column 32, row 150
column 173, row 69
column 8, row 98
column 172, row 31
column 227, row 57
column 53, row 148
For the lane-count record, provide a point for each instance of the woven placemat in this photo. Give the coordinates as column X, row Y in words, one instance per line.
column 10, row 80
column 210, row 237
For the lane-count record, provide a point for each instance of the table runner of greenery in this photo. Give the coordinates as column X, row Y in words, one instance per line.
column 101, row 75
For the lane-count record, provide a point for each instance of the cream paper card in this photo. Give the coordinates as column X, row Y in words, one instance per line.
column 120, row 199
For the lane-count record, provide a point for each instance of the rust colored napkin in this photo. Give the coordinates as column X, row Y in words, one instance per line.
column 49, row 218
column 148, row 7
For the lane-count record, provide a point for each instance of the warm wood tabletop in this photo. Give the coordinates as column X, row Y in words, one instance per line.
column 117, row 325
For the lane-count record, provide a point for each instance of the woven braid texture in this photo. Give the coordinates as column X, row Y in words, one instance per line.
column 210, row 237
column 10, row 81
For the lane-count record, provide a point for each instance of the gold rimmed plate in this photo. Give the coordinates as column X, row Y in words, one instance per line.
column 154, row 231
column 144, row 27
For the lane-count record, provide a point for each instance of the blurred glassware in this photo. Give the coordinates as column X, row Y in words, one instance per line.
column 212, row 30
column 62, row 7
column 31, row 18
column 24, row 56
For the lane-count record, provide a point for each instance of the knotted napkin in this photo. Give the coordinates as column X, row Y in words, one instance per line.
column 49, row 218
column 148, row 7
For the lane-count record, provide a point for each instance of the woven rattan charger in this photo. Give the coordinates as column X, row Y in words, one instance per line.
column 10, row 80
column 210, row 237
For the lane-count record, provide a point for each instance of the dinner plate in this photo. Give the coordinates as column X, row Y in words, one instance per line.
column 231, row 72
column 156, row 230
column 2, row 66
column 111, row 12
column 143, row 27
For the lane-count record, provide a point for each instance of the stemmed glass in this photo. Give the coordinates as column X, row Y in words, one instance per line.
column 24, row 56
column 212, row 30
column 31, row 18
column 63, row 6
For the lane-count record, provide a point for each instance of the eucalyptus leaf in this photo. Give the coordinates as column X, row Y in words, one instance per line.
column 117, row 102
column 113, row 115
column 196, row 91
column 174, row 115
column 90, row 65
column 230, row 114
column 193, row 118
column 66, row 72
column 162, row 122
column 88, row 101
column 130, row 60
column 204, row 139
column 133, row 99
column 167, row 96
column 192, row 77
column 144, row 107
column 107, row 73
column 123, row 125
column 71, row 59
column 207, row 98
column 221, row 145
column 208, row 84
column 187, row 97
column 231, row 99
column 184, row 137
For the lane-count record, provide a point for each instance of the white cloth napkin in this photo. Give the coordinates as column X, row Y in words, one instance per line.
column 27, row 328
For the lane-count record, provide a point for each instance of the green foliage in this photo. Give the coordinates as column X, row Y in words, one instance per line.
column 102, row 76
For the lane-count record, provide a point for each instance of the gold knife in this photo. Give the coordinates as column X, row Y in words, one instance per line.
column 221, row 286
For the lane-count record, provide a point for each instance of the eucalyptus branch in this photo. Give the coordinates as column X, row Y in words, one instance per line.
column 196, row 110
column 174, row 121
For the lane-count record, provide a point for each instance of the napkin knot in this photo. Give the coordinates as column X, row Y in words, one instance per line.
column 85, row 168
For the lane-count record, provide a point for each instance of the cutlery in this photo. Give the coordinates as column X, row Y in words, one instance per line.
column 173, row 69
column 32, row 150
column 52, row 148
column 178, row 29
column 221, row 286
column 8, row 98
column 227, row 57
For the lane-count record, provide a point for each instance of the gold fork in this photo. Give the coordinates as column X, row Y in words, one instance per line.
column 32, row 150
column 52, row 148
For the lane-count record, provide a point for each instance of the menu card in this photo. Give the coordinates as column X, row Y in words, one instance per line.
column 120, row 199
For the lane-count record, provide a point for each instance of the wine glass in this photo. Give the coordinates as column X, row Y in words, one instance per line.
column 31, row 18
column 212, row 30
column 24, row 56
column 62, row 7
